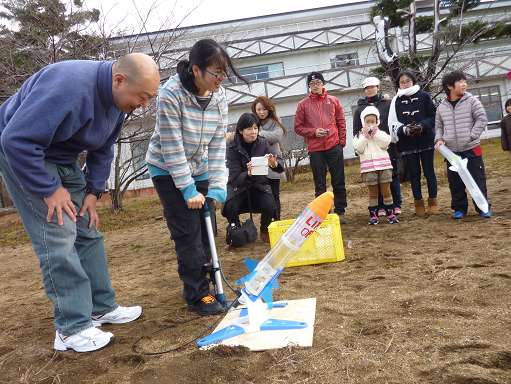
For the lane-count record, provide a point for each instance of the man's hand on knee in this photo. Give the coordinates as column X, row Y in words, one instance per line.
column 60, row 200
column 89, row 204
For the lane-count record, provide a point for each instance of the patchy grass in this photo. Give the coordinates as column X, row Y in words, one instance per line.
column 138, row 211
column 141, row 211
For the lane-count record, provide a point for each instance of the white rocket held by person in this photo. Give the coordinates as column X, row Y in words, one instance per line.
column 459, row 165
column 262, row 279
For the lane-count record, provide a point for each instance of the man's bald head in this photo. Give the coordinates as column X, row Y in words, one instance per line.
column 135, row 66
column 135, row 80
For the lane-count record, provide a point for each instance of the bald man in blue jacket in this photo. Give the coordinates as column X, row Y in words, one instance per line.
column 60, row 111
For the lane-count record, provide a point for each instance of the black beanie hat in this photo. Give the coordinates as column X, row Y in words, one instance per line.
column 314, row 76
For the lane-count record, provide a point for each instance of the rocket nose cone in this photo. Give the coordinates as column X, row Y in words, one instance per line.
column 321, row 204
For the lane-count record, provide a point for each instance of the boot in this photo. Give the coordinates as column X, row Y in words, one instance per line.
column 419, row 207
column 373, row 213
column 391, row 217
column 432, row 206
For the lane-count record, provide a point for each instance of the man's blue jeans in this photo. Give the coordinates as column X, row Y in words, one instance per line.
column 72, row 257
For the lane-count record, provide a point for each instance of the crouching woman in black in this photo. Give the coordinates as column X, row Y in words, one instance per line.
column 246, row 145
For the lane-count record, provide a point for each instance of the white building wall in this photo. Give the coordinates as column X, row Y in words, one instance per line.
column 303, row 42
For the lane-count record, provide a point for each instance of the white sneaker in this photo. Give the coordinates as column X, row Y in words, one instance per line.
column 120, row 315
column 91, row 339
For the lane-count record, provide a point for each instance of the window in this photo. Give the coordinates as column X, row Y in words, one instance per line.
column 490, row 98
column 344, row 60
column 292, row 141
column 138, row 150
column 259, row 72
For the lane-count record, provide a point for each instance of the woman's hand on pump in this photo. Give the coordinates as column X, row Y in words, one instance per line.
column 272, row 160
column 196, row 202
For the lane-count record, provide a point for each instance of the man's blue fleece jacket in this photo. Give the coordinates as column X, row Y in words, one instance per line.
column 60, row 111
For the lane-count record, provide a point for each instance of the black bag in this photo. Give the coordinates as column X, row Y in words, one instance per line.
column 238, row 237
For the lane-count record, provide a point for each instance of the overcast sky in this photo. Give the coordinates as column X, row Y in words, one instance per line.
column 207, row 11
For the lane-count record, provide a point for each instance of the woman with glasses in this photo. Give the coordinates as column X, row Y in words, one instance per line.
column 186, row 162
column 412, row 125
column 272, row 129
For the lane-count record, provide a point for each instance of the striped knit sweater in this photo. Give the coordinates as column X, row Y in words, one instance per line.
column 373, row 151
column 189, row 143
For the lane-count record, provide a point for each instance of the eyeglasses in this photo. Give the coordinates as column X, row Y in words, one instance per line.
column 219, row 76
column 315, row 83
column 404, row 82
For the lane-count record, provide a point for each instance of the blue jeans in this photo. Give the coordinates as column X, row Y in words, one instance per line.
column 72, row 257
column 395, row 189
column 414, row 161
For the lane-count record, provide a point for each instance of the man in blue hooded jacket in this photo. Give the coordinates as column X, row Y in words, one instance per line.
column 60, row 111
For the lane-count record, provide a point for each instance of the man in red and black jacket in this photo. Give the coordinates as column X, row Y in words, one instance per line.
column 320, row 119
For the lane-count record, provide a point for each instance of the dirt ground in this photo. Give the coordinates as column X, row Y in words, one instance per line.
column 423, row 301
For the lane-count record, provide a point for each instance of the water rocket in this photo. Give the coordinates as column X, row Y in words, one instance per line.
column 459, row 165
column 262, row 279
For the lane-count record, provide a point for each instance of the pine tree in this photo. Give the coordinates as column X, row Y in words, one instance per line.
column 449, row 36
column 41, row 32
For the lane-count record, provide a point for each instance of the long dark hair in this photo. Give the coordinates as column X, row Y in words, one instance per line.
column 272, row 113
column 246, row 120
column 204, row 53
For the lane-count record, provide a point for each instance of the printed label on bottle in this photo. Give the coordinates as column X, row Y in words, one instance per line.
column 303, row 227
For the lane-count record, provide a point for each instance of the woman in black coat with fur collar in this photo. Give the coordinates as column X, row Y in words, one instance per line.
column 246, row 145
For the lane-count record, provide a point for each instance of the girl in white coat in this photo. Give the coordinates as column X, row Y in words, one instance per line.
column 371, row 145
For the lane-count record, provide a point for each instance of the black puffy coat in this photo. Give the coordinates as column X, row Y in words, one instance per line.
column 237, row 160
column 419, row 108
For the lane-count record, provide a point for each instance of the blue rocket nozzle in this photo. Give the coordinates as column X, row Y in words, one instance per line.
column 267, row 293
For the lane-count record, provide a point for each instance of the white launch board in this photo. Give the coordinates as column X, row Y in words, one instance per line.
column 297, row 310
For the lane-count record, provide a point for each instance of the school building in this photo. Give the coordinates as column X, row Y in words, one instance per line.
column 277, row 52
